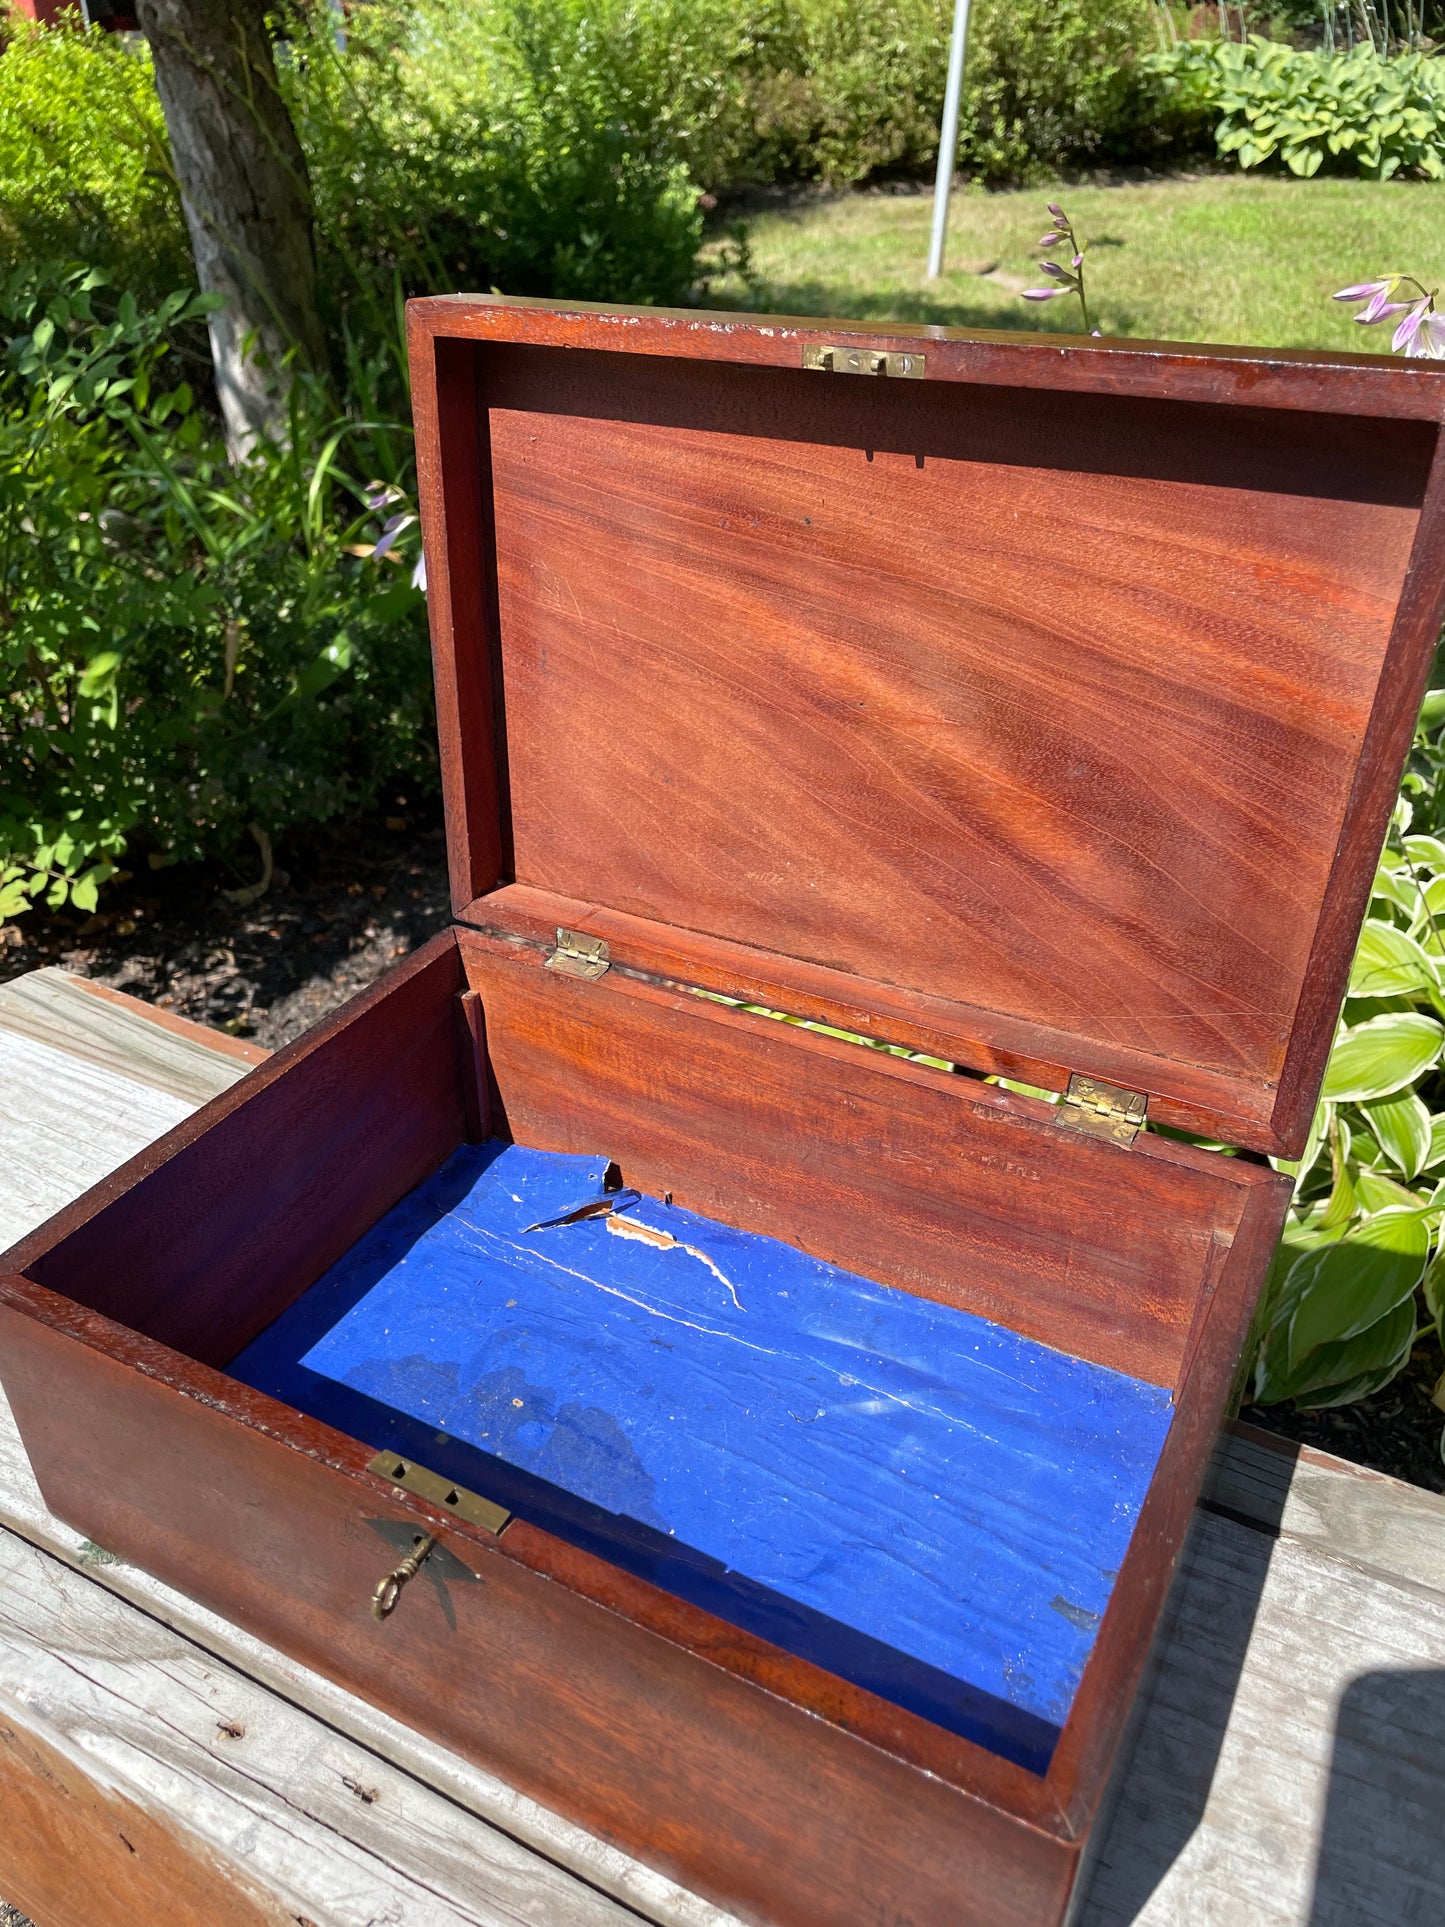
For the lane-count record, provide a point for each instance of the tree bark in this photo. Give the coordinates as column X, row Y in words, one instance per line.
column 247, row 198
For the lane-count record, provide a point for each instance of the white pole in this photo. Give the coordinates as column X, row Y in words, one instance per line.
column 948, row 137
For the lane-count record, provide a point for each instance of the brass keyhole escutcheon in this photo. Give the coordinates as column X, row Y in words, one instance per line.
column 384, row 1599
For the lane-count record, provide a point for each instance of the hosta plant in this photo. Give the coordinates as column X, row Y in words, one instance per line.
column 1360, row 1266
column 1310, row 110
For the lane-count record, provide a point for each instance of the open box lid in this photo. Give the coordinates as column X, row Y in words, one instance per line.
column 1035, row 702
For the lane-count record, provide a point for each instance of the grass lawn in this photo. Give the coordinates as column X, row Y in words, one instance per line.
column 1228, row 258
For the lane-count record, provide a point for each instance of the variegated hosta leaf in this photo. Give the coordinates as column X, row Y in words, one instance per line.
column 1403, row 1129
column 1390, row 963
column 1382, row 1056
column 1342, row 1289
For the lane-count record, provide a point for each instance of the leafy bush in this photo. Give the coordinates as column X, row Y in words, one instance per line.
column 84, row 166
column 1339, row 1318
column 1314, row 110
column 184, row 652
column 557, row 146
column 1055, row 83
column 461, row 146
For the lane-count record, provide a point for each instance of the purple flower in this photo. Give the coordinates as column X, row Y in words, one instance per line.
column 1409, row 327
column 1050, row 240
column 1058, row 213
column 1077, row 262
column 1364, row 289
column 380, row 495
column 1044, row 294
column 418, row 574
column 1381, row 304
column 1053, row 268
column 1428, row 341
column 1380, row 311
column 389, row 534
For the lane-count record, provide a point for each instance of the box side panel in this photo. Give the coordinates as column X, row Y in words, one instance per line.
column 723, row 1785
column 886, row 1168
column 1081, row 1765
column 205, row 1237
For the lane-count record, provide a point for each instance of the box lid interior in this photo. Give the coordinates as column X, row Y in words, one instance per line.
column 1053, row 702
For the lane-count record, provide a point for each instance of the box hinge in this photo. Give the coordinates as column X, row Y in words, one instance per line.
column 825, row 359
column 579, row 956
column 1103, row 1110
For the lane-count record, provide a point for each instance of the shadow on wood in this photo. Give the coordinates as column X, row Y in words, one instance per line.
column 1166, row 1767
column 1382, row 1858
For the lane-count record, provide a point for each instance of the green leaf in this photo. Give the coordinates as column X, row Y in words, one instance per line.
column 84, row 892
column 1402, row 1128
column 1389, row 963
column 1342, row 1289
column 1357, row 1367
column 1376, row 1192
column 1437, row 1142
column 99, row 672
column 1397, row 887
column 14, row 899
column 1435, row 1292
column 1380, row 1057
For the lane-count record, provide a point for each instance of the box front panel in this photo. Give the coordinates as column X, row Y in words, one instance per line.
column 721, row 1784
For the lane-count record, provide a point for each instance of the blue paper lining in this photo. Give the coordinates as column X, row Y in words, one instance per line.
column 918, row 1500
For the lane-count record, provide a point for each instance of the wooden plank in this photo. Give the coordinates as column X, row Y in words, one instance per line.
column 1289, row 1767
column 1347, row 1512
column 118, row 1033
column 155, row 1779
column 485, row 1805
column 48, row 1156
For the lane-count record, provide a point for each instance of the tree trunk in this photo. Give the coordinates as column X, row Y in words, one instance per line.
column 247, row 198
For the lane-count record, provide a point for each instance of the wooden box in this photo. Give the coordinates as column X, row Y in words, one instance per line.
column 1032, row 706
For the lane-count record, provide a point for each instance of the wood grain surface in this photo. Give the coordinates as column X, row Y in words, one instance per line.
column 711, row 1776
column 144, row 1782
column 248, row 1201
column 912, row 1176
column 971, row 692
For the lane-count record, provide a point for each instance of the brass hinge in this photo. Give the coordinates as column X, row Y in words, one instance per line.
column 863, row 361
column 439, row 1492
column 1103, row 1110
column 579, row 956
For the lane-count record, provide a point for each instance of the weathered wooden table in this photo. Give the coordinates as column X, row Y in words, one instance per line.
column 162, row 1768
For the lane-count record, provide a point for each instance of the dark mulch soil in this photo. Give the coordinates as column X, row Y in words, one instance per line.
column 1397, row 1431
column 345, row 904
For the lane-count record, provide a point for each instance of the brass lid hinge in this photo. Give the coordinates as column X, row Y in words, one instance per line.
column 1103, row 1110
column 579, row 956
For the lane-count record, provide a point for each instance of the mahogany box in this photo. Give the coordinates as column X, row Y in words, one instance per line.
column 728, row 1335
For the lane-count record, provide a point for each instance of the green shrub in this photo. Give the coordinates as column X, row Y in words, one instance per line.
column 183, row 651
column 1343, row 111
column 1059, row 83
column 557, row 146
column 454, row 145
column 1362, row 1251
column 84, row 166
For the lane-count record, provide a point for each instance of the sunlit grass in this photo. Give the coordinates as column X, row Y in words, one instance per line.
column 1231, row 258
